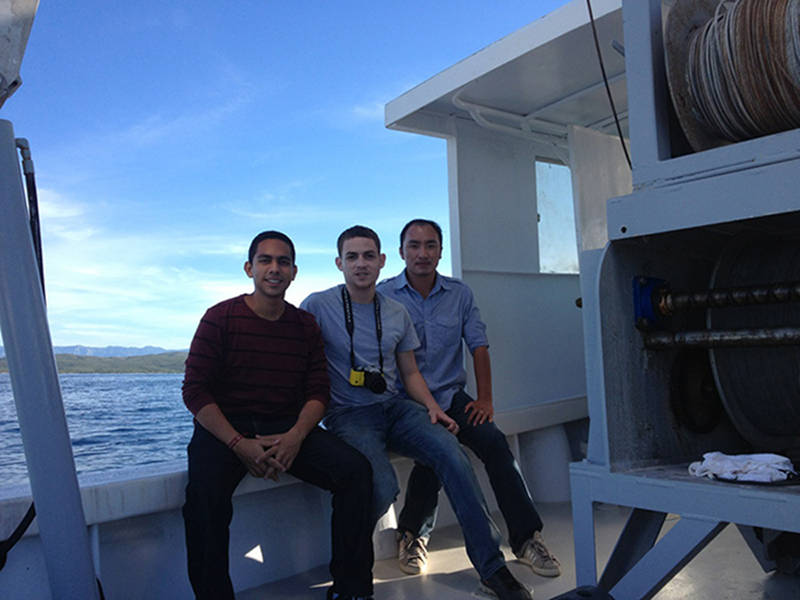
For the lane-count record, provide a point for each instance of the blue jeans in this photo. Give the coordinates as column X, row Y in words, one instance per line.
column 403, row 426
column 489, row 444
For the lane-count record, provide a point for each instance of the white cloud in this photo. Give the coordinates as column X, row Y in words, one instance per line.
column 287, row 203
column 53, row 205
column 129, row 288
column 161, row 307
column 166, row 316
column 70, row 234
column 307, row 284
column 307, row 250
column 133, row 299
column 157, row 127
column 367, row 107
column 307, row 214
column 372, row 111
column 151, row 286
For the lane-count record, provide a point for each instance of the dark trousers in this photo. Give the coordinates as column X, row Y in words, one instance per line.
column 489, row 444
column 324, row 461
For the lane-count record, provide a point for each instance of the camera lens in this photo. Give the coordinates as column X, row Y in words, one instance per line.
column 374, row 382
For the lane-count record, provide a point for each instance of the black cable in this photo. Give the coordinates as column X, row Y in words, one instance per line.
column 33, row 204
column 608, row 87
column 9, row 542
column 33, row 209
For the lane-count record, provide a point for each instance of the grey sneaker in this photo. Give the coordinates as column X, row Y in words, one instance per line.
column 412, row 553
column 503, row 586
column 535, row 554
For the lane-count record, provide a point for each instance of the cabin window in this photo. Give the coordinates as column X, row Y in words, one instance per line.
column 558, row 247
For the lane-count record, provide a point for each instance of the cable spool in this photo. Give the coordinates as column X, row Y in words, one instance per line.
column 733, row 68
column 759, row 386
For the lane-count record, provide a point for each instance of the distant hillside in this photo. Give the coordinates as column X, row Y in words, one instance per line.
column 165, row 362
column 79, row 350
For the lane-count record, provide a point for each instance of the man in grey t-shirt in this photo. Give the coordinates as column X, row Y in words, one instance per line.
column 369, row 343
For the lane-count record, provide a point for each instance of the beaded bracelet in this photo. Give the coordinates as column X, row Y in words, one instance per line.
column 235, row 440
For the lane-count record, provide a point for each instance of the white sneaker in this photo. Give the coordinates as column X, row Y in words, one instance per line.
column 412, row 553
column 535, row 554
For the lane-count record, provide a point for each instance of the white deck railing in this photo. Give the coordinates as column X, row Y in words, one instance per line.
column 279, row 528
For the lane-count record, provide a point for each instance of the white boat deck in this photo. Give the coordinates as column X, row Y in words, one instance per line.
column 725, row 570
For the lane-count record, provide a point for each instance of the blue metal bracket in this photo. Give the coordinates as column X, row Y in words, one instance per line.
column 645, row 290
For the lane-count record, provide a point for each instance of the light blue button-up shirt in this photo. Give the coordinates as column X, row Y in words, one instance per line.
column 441, row 320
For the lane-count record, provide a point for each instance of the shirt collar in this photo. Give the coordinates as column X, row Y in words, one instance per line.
column 440, row 283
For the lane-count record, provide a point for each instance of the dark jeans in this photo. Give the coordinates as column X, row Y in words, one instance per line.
column 489, row 444
column 324, row 461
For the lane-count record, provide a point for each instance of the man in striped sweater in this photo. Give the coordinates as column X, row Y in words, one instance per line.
column 256, row 382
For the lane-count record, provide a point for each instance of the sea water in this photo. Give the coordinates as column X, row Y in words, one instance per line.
column 115, row 420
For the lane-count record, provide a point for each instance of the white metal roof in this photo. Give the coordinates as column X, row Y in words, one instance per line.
column 546, row 72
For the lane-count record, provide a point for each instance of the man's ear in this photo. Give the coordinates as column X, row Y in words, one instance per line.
column 401, row 253
column 383, row 261
column 248, row 268
column 339, row 262
column 294, row 272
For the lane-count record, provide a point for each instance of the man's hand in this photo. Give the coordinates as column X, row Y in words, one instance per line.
column 418, row 390
column 253, row 454
column 437, row 415
column 282, row 449
column 479, row 411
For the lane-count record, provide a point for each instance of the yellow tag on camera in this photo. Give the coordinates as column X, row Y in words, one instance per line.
column 356, row 378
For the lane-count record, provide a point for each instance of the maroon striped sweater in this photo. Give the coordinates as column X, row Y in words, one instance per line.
column 252, row 366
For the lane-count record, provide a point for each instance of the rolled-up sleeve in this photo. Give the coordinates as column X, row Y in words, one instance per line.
column 474, row 328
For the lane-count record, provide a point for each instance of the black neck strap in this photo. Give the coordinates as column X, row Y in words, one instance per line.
column 349, row 323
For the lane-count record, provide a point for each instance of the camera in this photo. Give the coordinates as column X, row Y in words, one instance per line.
column 372, row 380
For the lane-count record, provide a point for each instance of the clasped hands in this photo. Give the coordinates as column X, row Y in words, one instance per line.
column 268, row 456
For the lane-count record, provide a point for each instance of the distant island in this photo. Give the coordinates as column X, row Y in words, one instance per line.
column 80, row 350
column 163, row 362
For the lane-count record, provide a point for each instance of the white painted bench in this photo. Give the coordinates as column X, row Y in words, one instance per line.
column 279, row 528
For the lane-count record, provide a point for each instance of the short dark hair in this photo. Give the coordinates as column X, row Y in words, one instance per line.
column 354, row 232
column 421, row 222
column 269, row 235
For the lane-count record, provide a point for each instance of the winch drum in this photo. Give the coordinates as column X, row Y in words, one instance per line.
column 759, row 385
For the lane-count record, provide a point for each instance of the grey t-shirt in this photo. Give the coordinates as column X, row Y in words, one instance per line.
column 398, row 336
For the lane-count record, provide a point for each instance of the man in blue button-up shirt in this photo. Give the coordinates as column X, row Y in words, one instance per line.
column 443, row 311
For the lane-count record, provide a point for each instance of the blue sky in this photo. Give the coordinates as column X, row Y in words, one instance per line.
column 166, row 135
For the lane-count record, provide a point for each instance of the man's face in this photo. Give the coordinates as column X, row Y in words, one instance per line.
column 360, row 262
column 272, row 269
column 421, row 250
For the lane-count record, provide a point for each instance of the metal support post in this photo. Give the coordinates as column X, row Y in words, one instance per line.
column 37, row 394
column 640, row 533
column 680, row 545
column 583, row 529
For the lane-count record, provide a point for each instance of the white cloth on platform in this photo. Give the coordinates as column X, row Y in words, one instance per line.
column 743, row 467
